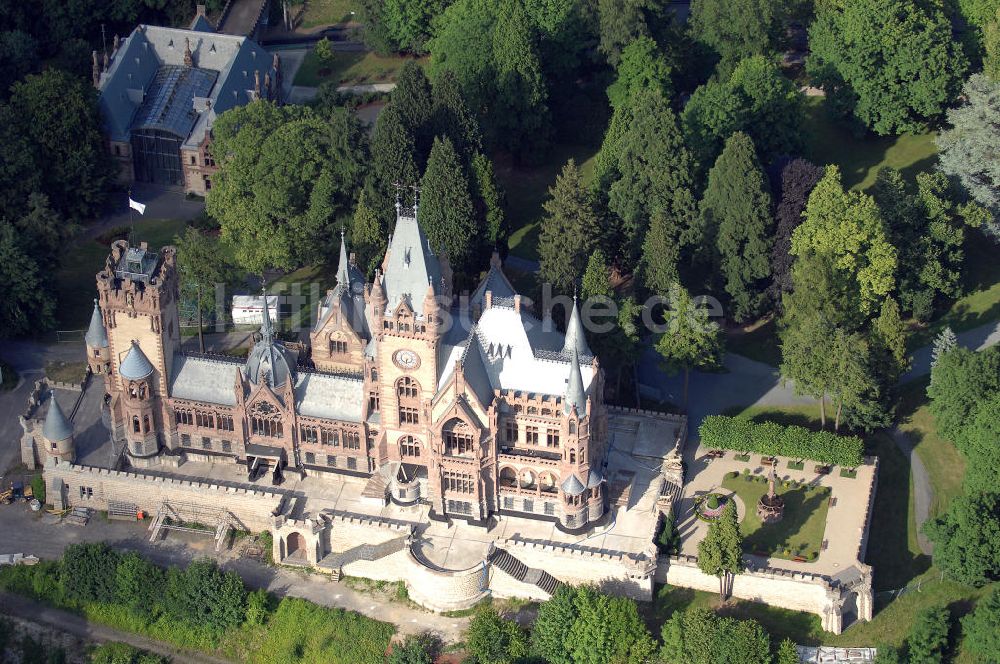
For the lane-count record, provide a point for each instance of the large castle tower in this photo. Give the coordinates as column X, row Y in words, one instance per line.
column 137, row 294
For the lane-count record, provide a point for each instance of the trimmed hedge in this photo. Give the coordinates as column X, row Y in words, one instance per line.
column 741, row 434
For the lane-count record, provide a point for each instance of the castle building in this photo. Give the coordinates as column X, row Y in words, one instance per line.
column 476, row 412
column 160, row 91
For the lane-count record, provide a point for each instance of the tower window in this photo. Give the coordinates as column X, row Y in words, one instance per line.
column 552, row 438
column 409, row 447
column 338, row 347
column 531, row 435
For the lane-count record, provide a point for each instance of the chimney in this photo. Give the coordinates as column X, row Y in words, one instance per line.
column 517, row 302
column 487, row 300
column 96, row 71
column 188, row 57
column 199, row 10
column 256, row 82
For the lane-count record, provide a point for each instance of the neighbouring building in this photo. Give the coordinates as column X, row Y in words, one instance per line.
column 160, row 91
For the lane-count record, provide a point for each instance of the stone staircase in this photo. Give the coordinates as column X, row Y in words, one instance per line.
column 503, row 560
column 378, row 484
column 335, row 561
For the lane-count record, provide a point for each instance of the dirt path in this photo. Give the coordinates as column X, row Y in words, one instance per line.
column 71, row 623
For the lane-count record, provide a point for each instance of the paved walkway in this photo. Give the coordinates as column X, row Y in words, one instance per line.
column 923, row 492
column 72, row 623
column 845, row 517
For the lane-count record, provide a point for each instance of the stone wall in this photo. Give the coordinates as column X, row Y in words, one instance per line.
column 610, row 571
column 789, row 590
column 445, row 590
column 93, row 487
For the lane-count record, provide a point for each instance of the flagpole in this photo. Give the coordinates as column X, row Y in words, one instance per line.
column 131, row 219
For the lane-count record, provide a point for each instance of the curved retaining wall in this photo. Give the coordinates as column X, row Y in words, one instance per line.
column 445, row 590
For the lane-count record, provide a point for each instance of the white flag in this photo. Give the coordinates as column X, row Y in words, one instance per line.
column 135, row 205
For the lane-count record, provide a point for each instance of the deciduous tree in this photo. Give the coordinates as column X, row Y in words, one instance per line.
column 642, row 66
column 893, row 63
column 202, row 265
column 928, row 636
column 960, row 381
column 979, row 629
column 691, row 340
column 798, row 178
column 27, row 304
column 495, row 640
column 608, row 629
column 967, row 539
column 408, row 22
column 736, row 30
column 756, row 99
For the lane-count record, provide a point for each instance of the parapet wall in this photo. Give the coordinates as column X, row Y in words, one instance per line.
column 789, row 590
column 87, row 486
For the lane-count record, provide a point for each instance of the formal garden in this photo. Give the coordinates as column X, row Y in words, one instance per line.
column 798, row 534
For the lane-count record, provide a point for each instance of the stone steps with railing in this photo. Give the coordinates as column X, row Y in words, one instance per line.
column 503, row 560
column 334, row 562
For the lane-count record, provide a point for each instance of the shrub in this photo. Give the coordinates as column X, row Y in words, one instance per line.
column 38, row 488
column 771, row 439
column 713, row 502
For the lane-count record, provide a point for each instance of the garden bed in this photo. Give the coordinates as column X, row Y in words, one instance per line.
column 800, row 531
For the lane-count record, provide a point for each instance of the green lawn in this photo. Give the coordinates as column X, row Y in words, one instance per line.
column 798, row 533
column 527, row 188
column 318, row 13
column 860, row 158
column 75, row 280
column 352, row 68
column 65, row 372
column 321, row 275
column 945, row 465
column 803, row 415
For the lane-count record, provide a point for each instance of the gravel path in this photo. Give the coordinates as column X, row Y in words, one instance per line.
column 923, row 492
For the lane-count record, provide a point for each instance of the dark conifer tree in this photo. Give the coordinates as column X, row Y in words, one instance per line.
column 446, row 211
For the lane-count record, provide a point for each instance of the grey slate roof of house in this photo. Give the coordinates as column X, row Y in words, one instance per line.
column 56, row 426
column 130, row 78
column 576, row 338
column 411, row 266
column 135, row 365
column 204, row 379
column 329, row 396
column 97, row 336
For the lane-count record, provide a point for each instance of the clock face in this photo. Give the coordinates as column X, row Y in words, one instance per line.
column 406, row 359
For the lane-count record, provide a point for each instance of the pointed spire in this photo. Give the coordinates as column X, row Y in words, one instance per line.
column 97, row 336
column 575, row 394
column 343, row 276
column 135, row 365
column 56, row 426
column 576, row 338
column 266, row 328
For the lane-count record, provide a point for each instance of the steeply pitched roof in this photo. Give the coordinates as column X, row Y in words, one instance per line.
column 576, row 338
column 56, row 426
column 474, row 370
column 410, row 267
column 135, row 365
column 572, row 486
column 97, row 336
column 575, row 394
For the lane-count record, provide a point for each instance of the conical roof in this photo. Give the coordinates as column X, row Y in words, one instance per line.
column 576, row 339
column 575, row 394
column 269, row 359
column 136, row 365
column 343, row 276
column 97, row 336
column 56, row 426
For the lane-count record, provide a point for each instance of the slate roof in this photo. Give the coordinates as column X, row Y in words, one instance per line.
column 576, row 338
column 575, row 394
column 269, row 359
column 97, row 336
column 56, row 426
column 135, row 365
column 329, row 396
column 130, row 78
column 410, row 266
column 209, row 380
column 572, row 486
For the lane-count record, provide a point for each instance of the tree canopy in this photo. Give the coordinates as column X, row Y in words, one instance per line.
column 736, row 211
column 736, row 29
column 286, row 177
column 570, row 229
column 967, row 539
column 892, row 63
column 446, row 212
column 967, row 146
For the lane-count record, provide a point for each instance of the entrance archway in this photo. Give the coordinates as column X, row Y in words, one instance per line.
column 295, row 545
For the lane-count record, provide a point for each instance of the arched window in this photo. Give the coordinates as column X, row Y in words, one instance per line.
column 458, row 440
column 508, row 477
column 409, row 447
column 145, row 423
column 572, row 456
column 407, row 392
column 135, row 423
